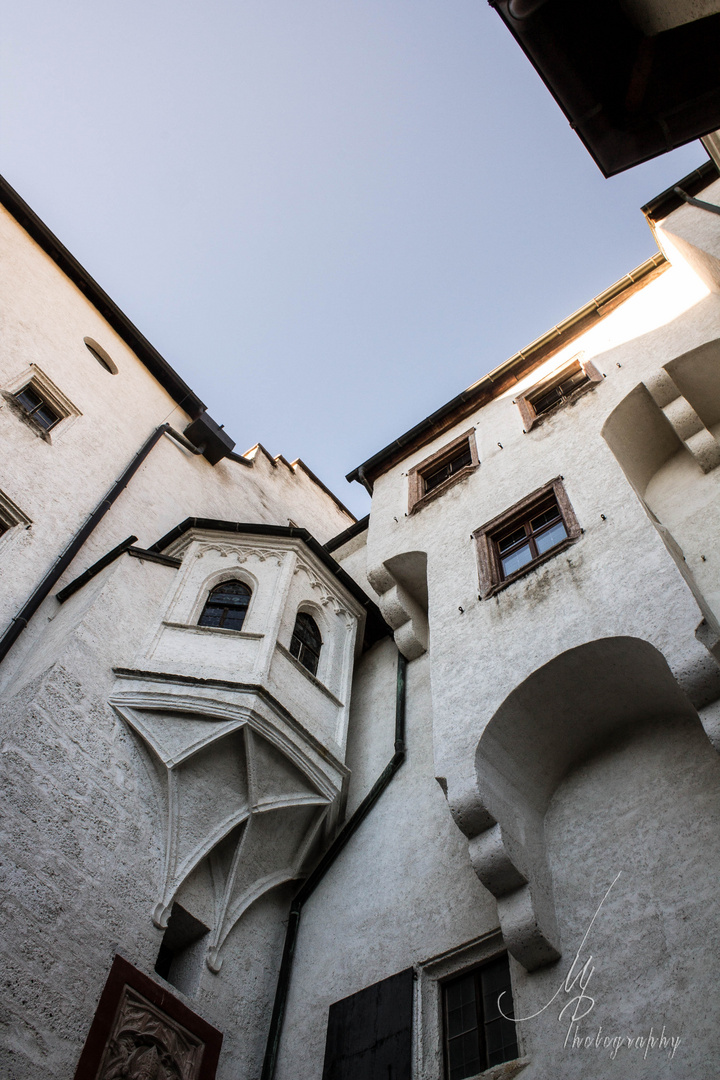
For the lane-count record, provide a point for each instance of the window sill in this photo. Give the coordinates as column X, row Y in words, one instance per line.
column 442, row 488
column 528, row 568
column 506, row 1071
column 213, row 630
column 308, row 675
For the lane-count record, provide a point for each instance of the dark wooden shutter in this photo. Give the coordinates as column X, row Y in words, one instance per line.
column 369, row 1035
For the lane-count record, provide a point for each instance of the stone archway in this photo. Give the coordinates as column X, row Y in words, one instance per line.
column 564, row 713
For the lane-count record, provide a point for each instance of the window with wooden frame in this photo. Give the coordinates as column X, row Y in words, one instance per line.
column 535, row 529
column 441, row 470
column 562, row 387
column 476, row 1034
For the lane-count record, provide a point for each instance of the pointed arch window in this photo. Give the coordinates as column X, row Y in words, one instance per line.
column 306, row 643
column 227, row 606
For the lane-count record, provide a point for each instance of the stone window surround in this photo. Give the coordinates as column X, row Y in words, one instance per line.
column 11, row 517
column 529, row 417
column 489, row 569
column 327, row 647
column 417, row 496
column 234, row 573
column 431, row 974
column 42, row 384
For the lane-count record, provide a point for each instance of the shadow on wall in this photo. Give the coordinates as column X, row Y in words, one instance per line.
column 665, row 436
column 565, row 713
column 401, row 585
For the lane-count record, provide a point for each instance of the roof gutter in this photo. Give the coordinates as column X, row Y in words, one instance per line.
column 507, row 373
column 326, row 862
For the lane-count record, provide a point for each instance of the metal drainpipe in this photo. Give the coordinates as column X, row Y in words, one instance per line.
column 308, row 888
column 697, row 202
column 20, row 621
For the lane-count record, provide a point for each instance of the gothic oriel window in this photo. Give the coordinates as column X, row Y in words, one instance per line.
column 306, row 642
column 477, row 1035
column 226, row 606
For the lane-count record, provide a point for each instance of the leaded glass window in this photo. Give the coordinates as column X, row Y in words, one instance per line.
column 306, row 642
column 477, row 1035
column 226, row 606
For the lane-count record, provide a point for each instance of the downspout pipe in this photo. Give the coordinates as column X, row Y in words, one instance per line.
column 700, row 203
column 311, row 883
column 58, row 568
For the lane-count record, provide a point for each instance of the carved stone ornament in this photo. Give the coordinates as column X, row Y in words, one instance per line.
column 242, row 554
column 142, row 1032
column 326, row 598
column 146, row 1044
column 235, row 792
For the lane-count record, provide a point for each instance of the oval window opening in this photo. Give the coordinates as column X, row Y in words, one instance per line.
column 100, row 355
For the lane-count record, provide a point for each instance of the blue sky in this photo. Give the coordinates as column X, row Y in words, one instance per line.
column 331, row 215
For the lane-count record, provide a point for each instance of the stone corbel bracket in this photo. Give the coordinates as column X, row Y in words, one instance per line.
column 404, row 612
column 237, row 791
column 560, row 715
column 684, row 421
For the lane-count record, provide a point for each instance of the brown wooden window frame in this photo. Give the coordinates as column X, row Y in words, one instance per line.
column 482, row 1011
column 525, row 402
column 487, row 537
column 418, row 492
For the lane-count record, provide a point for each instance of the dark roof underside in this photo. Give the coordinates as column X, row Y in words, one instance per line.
column 629, row 96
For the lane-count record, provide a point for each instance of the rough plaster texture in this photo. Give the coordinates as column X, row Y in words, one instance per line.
column 577, row 596
column 401, row 891
column 87, row 814
column 556, row 793
column 645, row 806
column 57, row 483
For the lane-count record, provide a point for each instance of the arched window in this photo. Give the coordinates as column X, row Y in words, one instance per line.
column 226, row 606
column 306, row 642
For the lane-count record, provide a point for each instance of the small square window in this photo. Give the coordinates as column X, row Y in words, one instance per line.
column 476, row 1033
column 36, row 398
column 37, row 408
column 535, row 529
column 440, row 471
column 561, row 388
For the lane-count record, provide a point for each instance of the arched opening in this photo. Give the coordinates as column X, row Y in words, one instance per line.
column 306, row 642
column 565, row 714
column 226, row 606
